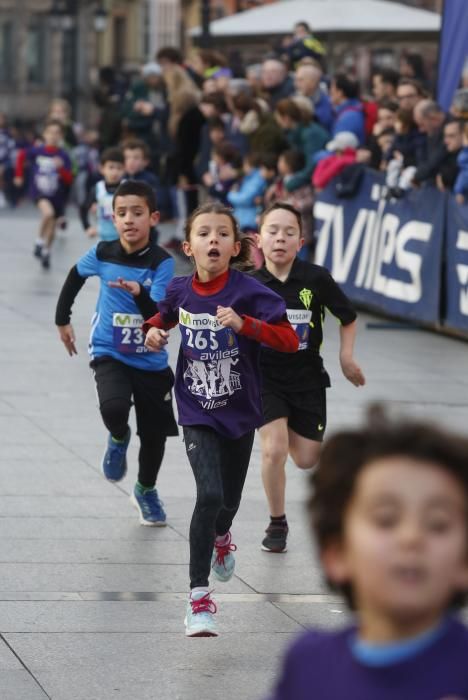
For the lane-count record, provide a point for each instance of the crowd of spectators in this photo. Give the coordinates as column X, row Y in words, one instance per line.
column 282, row 129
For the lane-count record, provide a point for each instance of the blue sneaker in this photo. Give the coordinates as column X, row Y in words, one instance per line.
column 223, row 561
column 199, row 619
column 149, row 507
column 114, row 464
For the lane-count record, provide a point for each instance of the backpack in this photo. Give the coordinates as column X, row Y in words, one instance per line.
column 370, row 110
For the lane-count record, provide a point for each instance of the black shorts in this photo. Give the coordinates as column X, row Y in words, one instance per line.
column 58, row 205
column 150, row 393
column 306, row 411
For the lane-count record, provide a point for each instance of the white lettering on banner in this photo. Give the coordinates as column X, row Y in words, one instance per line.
column 380, row 241
column 462, row 272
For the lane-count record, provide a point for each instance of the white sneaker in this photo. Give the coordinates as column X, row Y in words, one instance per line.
column 199, row 619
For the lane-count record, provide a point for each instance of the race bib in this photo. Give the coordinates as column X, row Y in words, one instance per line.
column 300, row 320
column 211, row 353
column 128, row 335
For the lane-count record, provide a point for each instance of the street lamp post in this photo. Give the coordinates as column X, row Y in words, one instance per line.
column 205, row 13
column 100, row 21
column 63, row 18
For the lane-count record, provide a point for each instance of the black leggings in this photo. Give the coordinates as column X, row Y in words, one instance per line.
column 219, row 466
column 116, row 385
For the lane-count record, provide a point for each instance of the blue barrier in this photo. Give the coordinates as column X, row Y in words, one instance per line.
column 389, row 254
column 456, row 270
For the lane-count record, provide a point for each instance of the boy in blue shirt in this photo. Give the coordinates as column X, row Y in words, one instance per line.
column 124, row 370
column 389, row 510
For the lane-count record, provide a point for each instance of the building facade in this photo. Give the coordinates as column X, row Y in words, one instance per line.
column 45, row 53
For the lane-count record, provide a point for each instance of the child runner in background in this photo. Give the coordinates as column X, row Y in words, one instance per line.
column 124, row 370
column 50, row 177
column 223, row 316
column 389, row 511
column 293, row 386
column 101, row 196
column 137, row 159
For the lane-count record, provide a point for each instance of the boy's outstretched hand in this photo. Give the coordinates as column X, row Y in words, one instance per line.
column 127, row 285
column 156, row 339
column 352, row 371
column 67, row 336
column 228, row 318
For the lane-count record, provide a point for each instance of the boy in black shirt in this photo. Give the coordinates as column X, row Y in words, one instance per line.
column 294, row 401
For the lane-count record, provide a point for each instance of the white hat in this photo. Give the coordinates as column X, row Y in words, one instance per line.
column 151, row 68
column 342, row 140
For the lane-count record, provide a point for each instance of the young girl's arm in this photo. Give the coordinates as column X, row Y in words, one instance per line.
column 278, row 336
column 350, row 369
column 156, row 331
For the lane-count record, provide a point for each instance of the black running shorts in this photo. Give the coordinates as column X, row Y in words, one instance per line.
column 306, row 411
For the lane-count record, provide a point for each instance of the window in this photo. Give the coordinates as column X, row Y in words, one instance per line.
column 35, row 50
column 6, row 52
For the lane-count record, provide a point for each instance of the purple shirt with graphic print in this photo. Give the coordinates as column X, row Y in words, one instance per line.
column 218, row 376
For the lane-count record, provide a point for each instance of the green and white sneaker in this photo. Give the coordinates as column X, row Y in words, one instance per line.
column 199, row 619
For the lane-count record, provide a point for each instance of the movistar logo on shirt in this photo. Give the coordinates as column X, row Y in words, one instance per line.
column 148, row 282
column 305, row 295
column 198, row 321
column 127, row 320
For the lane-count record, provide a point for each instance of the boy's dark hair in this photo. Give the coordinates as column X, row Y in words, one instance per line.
column 281, row 205
column 389, row 76
column 170, row 53
column 253, row 159
column 389, row 131
column 244, row 103
column 295, row 160
column 386, row 103
column 347, row 453
column 217, row 99
column 229, row 153
column 53, row 122
column 419, row 89
column 139, row 189
column 348, row 86
column 243, row 261
column 134, row 144
column 269, row 161
column 113, row 154
column 216, row 123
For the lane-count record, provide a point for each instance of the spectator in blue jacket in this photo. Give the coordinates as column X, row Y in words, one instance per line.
column 244, row 199
column 307, row 80
column 349, row 112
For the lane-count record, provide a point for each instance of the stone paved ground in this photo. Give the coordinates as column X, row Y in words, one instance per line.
column 92, row 604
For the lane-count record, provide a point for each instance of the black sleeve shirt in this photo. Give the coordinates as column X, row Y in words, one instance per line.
column 308, row 291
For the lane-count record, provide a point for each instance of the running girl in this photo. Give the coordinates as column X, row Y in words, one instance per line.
column 223, row 316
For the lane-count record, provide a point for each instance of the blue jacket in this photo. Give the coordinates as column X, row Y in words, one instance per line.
column 323, row 110
column 243, row 201
column 461, row 183
column 349, row 116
